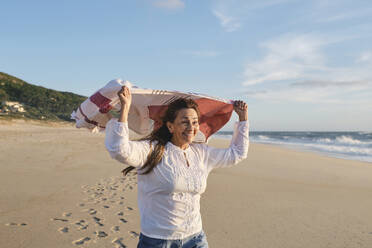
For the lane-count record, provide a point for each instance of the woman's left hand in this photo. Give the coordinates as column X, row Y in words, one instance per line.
column 241, row 108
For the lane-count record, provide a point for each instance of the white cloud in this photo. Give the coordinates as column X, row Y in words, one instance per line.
column 338, row 11
column 228, row 23
column 350, row 93
column 169, row 4
column 294, row 68
column 231, row 14
column 287, row 57
column 346, row 15
column 286, row 94
column 331, row 84
column 365, row 57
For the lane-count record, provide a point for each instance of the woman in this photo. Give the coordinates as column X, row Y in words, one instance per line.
column 173, row 171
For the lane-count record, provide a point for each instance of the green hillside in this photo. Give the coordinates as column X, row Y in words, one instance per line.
column 38, row 102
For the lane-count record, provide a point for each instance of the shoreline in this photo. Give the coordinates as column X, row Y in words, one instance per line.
column 325, row 154
column 59, row 124
column 300, row 148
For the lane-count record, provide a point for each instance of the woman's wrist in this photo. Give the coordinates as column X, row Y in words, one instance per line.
column 125, row 107
column 123, row 117
column 243, row 117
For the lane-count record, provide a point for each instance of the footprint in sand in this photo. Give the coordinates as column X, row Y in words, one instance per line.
column 133, row 234
column 98, row 221
column 82, row 224
column 81, row 241
column 92, row 211
column 11, row 224
column 101, row 234
column 63, row 230
column 16, row 224
column 123, row 220
column 121, row 213
column 118, row 242
column 115, row 229
column 59, row 219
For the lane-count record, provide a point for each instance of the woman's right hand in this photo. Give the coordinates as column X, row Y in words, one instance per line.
column 125, row 97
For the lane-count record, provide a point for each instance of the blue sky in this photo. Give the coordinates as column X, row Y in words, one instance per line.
column 300, row 65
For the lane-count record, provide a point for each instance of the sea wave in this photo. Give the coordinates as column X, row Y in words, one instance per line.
column 343, row 140
column 348, row 140
column 263, row 137
column 324, row 140
column 342, row 146
column 349, row 145
column 347, row 150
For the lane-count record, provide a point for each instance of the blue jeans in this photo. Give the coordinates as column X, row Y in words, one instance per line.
column 198, row 240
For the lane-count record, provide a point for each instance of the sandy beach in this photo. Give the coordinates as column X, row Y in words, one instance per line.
column 60, row 188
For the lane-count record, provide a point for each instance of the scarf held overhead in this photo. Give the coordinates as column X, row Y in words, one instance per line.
column 147, row 108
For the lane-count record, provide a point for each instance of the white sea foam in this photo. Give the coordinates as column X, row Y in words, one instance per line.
column 348, row 145
column 263, row 137
column 347, row 150
column 348, row 140
column 343, row 146
column 324, row 140
column 364, row 132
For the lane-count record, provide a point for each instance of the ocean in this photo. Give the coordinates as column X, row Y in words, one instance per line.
column 346, row 145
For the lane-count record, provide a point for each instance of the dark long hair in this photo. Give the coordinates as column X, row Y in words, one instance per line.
column 162, row 135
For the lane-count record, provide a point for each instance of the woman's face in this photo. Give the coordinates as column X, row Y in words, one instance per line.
column 184, row 127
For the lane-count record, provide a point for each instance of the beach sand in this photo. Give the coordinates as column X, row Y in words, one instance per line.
column 60, row 188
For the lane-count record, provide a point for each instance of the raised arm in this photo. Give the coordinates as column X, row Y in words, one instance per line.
column 133, row 153
column 238, row 149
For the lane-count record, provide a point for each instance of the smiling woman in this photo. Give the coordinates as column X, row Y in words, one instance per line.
column 185, row 126
column 172, row 170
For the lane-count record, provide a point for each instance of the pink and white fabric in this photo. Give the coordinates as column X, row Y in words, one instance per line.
column 148, row 106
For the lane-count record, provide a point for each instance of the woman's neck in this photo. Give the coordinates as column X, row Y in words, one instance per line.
column 183, row 146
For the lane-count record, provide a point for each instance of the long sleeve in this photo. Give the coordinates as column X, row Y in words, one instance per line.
column 236, row 152
column 133, row 153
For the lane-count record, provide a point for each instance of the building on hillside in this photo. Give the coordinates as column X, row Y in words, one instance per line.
column 12, row 107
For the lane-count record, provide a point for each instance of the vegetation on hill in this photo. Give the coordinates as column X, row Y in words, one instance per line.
column 38, row 102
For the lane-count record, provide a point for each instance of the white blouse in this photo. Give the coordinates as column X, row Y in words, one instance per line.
column 169, row 196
